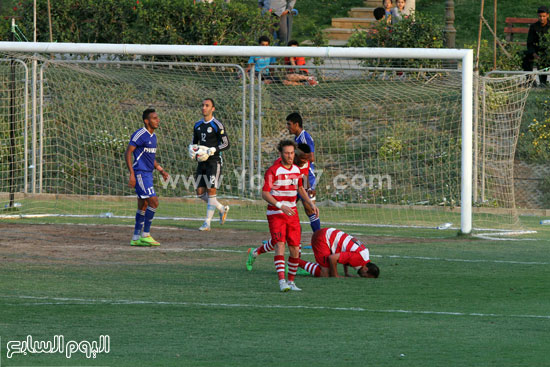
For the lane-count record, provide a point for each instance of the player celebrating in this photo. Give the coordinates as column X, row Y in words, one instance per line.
column 282, row 183
column 294, row 124
column 332, row 246
column 210, row 132
column 143, row 147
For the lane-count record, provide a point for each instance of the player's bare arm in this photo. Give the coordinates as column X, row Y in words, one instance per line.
column 266, row 195
column 161, row 170
column 128, row 157
column 304, row 195
column 333, row 265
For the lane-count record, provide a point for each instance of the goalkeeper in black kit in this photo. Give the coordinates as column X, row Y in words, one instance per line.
column 209, row 140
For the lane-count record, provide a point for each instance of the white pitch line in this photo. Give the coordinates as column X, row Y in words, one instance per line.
column 82, row 301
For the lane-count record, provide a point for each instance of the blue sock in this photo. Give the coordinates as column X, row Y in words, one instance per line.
column 149, row 214
column 314, row 222
column 140, row 218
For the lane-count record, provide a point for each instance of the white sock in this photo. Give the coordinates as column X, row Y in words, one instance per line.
column 144, row 234
column 135, row 237
column 212, row 200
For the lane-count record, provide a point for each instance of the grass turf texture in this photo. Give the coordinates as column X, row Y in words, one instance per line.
column 217, row 313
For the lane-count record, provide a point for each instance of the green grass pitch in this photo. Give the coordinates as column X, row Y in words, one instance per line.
column 440, row 299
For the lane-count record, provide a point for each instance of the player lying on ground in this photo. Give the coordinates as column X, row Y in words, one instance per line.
column 143, row 147
column 301, row 159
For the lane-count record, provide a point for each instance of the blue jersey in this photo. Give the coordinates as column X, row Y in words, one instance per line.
column 305, row 138
column 146, row 148
column 261, row 63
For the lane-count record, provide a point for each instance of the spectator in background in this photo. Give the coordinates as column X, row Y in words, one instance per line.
column 390, row 12
column 534, row 50
column 261, row 63
column 283, row 10
column 400, row 11
column 379, row 13
column 297, row 76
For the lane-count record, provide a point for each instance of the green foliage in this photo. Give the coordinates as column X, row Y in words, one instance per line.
column 148, row 22
column 504, row 62
column 390, row 149
column 543, row 61
column 420, row 31
column 540, row 131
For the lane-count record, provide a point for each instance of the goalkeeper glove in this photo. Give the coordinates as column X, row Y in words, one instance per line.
column 193, row 148
column 211, row 151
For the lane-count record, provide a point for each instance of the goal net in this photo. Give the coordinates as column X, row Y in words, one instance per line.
column 388, row 137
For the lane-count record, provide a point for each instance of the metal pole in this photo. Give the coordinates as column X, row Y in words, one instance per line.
column 259, row 128
column 466, row 169
column 450, row 31
column 41, row 133
column 476, row 137
column 251, row 130
column 243, row 136
column 12, row 127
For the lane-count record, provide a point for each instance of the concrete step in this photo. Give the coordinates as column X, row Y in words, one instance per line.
column 373, row 3
column 352, row 23
column 338, row 33
column 361, row 13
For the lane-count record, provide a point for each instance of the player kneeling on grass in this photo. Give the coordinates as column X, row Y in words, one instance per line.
column 143, row 147
column 332, row 246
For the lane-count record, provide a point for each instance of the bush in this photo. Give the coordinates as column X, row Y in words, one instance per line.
column 418, row 31
column 147, row 22
column 503, row 62
column 540, row 131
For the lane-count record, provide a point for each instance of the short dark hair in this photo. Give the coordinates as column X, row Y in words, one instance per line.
column 373, row 269
column 146, row 113
column 304, row 148
column 379, row 13
column 285, row 143
column 264, row 39
column 292, row 43
column 211, row 100
column 295, row 118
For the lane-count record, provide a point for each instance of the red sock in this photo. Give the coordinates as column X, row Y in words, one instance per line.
column 292, row 267
column 266, row 247
column 280, row 266
column 312, row 268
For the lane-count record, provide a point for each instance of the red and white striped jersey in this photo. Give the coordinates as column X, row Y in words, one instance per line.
column 304, row 170
column 347, row 246
column 283, row 184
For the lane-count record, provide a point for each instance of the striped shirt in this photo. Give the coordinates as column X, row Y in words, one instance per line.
column 351, row 250
column 283, row 184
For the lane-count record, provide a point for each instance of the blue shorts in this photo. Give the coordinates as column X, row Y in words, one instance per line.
column 144, row 185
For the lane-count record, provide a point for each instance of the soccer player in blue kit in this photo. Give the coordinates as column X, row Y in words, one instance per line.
column 142, row 148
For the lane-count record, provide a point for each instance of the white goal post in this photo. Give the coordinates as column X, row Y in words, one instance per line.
column 464, row 58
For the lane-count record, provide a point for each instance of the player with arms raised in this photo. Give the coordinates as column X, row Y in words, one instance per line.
column 210, row 133
column 142, row 148
column 282, row 183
